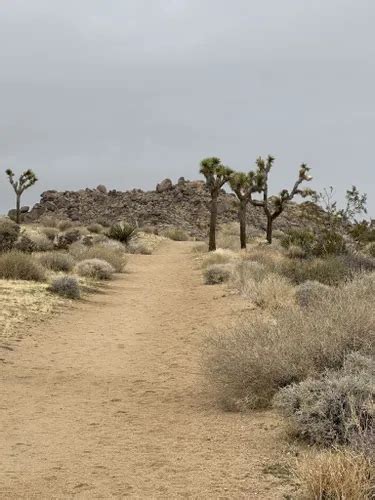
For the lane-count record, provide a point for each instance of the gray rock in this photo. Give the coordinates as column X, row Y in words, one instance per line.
column 165, row 185
column 24, row 209
column 102, row 189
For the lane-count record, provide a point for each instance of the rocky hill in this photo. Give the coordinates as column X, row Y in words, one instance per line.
column 184, row 205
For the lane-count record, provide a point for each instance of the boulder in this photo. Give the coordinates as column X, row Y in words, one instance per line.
column 102, row 189
column 24, row 209
column 165, row 185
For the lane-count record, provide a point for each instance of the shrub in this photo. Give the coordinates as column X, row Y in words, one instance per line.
column 220, row 256
column 15, row 265
column 358, row 262
column 301, row 238
column 64, row 240
column 95, row 269
column 49, row 221
column 217, row 273
column 176, row 234
column 114, row 255
column 50, row 232
column 122, row 231
column 329, row 243
column 335, row 407
column 329, row 271
column 139, row 247
column 9, row 232
column 371, row 249
column 95, row 228
column 336, row 474
column 64, row 225
column 259, row 356
column 310, row 293
column 24, row 244
column 66, row 286
column 56, row 261
column 295, row 252
column 271, row 292
column 40, row 241
column 247, row 271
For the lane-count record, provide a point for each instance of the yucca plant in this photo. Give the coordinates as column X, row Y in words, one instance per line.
column 122, row 232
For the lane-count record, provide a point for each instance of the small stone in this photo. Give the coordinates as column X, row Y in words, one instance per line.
column 165, row 185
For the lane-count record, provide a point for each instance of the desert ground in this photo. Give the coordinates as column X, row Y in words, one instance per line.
column 106, row 399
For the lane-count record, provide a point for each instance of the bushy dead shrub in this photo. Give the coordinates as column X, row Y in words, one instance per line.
column 113, row 254
column 272, row 292
column 217, row 274
column 65, row 225
column 336, row 475
column 358, row 262
column 248, row 365
column 40, row 241
column 50, row 232
column 49, row 221
column 64, row 240
column 9, row 232
column 295, row 252
column 220, row 256
column 310, row 293
column 24, row 244
column 15, row 265
column 56, row 261
column 176, row 234
column 66, row 286
column 334, row 408
column 139, row 247
column 371, row 250
column 246, row 271
column 95, row 269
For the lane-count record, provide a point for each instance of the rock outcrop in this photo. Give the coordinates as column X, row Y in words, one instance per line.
column 184, row 205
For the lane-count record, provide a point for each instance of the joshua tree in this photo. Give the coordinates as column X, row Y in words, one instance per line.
column 274, row 206
column 216, row 175
column 26, row 180
column 244, row 185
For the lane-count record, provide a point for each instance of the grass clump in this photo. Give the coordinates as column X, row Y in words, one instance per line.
column 95, row 269
column 66, row 286
column 220, row 256
column 9, row 232
column 95, row 228
column 113, row 254
column 330, row 271
column 300, row 238
column 16, row 265
column 141, row 247
column 217, row 274
column 176, row 234
column 56, row 261
column 336, row 475
column 271, row 292
column 310, row 293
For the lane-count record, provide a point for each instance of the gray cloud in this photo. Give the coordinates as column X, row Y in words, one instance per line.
column 128, row 92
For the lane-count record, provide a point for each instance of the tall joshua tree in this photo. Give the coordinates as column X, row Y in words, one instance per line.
column 244, row 185
column 217, row 175
column 25, row 180
column 274, row 206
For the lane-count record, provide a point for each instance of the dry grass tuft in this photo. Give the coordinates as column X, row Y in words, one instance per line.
column 114, row 254
column 56, row 261
column 217, row 274
column 220, row 256
column 17, row 265
column 95, row 269
column 336, row 475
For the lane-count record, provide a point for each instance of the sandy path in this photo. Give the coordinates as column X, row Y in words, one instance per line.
column 105, row 401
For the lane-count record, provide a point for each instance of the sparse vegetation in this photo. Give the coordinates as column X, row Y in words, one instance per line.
column 16, row 265
column 216, row 274
column 9, row 232
column 113, row 254
column 56, row 261
column 176, row 234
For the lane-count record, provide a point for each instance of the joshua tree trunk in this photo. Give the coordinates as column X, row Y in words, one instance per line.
column 213, row 222
column 18, row 208
column 242, row 217
column 269, row 228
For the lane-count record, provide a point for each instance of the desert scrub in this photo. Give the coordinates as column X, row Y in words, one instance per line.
column 9, row 232
column 329, row 271
column 95, row 228
column 300, row 238
column 176, row 234
column 24, row 244
column 334, row 409
column 95, row 269
column 113, row 254
column 371, row 250
column 246, row 271
column 258, row 356
column 217, row 274
column 66, row 286
column 219, row 256
column 336, row 474
column 296, row 252
column 40, row 241
column 67, row 238
column 16, row 265
column 310, row 293
column 137, row 246
column 50, row 232
column 270, row 292
column 56, row 261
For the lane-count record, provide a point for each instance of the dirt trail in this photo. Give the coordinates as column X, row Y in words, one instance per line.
column 105, row 401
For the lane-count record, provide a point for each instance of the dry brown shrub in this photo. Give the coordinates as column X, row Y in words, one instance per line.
column 114, row 254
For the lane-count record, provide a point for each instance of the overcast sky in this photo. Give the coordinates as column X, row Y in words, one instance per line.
column 128, row 92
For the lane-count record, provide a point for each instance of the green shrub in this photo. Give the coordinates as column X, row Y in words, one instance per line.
column 329, row 243
column 122, row 232
column 66, row 286
column 335, row 408
column 9, row 232
column 95, row 269
column 329, row 271
column 15, row 265
column 217, row 274
column 56, row 261
column 301, row 238
column 176, row 234
column 362, row 232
